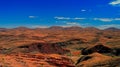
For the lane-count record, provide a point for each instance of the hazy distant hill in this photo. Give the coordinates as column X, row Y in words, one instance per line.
column 112, row 29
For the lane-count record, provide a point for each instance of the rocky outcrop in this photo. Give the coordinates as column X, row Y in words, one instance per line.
column 100, row 49
column 47, row 48
column 97, row 60
column 97, row 48
column 91, row 59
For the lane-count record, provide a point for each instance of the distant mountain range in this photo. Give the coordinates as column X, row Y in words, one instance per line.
column 112, row 29
column 62, row 28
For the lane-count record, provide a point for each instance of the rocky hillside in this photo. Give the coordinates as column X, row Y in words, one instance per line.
column 59, row 46
column 35, row 60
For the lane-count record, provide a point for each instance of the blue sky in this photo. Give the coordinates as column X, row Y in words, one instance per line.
column 44, row 13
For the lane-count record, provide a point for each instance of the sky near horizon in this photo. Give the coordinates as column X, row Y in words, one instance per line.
column 43, row 13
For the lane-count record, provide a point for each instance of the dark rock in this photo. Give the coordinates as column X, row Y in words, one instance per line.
column 48, row 48
column 97, row 48
column 83, row 58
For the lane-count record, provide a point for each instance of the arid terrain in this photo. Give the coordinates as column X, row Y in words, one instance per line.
column 59, row 47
